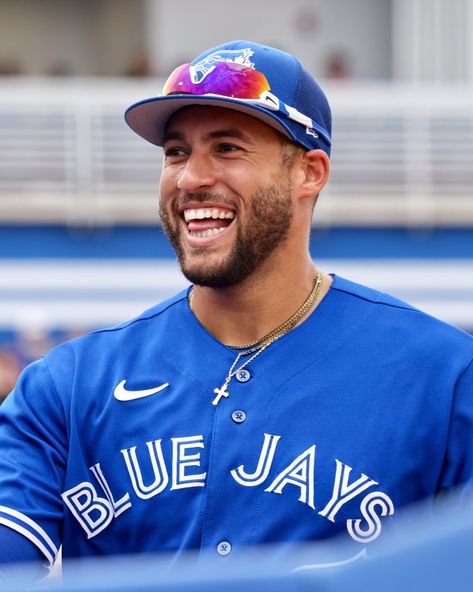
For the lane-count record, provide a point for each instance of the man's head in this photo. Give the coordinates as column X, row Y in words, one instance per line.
column 225, row 193
column 267, row 83
column 238, row 155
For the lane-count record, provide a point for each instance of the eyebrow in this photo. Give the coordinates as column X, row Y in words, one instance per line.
column 168, row 136
column 230, row 132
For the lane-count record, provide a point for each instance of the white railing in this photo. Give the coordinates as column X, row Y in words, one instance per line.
column 42, row 293
column 402, row 155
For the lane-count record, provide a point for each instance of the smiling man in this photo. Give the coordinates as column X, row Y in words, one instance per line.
column 269, row 402
column 232, row 203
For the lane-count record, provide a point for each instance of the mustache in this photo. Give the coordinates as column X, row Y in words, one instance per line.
column 202, row 197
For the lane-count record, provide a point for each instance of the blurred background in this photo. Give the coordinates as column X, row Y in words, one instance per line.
column 80, row 241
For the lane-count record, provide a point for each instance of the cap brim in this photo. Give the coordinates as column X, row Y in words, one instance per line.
column 148, row 118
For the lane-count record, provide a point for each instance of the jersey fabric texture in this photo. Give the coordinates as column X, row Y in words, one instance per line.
column 365, row 407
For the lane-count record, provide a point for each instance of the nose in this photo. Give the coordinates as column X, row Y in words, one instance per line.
column 197, row 174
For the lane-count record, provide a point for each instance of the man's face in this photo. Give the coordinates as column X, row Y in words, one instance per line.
column 225, row 198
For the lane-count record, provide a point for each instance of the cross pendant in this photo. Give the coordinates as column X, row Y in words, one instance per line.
column 220, row 392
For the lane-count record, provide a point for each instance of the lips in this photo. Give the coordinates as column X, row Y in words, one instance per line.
column 205, row 222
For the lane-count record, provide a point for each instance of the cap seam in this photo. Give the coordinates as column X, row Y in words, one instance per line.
column 298, row 85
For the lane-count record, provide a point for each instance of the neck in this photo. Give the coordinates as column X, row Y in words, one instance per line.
column 244, row 313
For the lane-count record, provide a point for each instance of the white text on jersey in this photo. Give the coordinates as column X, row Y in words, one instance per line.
column 95, row 512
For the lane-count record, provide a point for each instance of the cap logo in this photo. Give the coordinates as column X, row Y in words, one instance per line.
column 199, row 71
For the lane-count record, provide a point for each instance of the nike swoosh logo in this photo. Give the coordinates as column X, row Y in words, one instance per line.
column 122, row 394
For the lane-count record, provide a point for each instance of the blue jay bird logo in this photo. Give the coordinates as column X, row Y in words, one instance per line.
column 199, row 71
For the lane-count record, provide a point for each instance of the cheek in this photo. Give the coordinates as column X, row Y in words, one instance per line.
column 166, row 188
column 163, row 183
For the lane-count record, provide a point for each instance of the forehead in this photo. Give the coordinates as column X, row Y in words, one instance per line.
column 203, row 120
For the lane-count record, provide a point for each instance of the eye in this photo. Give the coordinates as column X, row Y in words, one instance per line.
column 174, row 151
column 226, row 148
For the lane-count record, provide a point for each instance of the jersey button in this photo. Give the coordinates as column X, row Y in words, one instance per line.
column 239, row 416
column 224, row 548
column 243, row 375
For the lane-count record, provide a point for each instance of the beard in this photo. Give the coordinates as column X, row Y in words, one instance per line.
column 270, row 215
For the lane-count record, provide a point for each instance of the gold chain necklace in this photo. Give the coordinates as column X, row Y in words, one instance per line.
column 257, row 347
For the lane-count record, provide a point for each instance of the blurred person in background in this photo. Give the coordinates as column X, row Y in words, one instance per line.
column 10, row 368
column 270, row 402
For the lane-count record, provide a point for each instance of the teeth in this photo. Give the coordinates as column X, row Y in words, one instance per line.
column 202, row 213
column 206, row 233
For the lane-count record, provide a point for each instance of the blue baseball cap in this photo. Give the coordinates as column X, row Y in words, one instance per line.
column 266, row 83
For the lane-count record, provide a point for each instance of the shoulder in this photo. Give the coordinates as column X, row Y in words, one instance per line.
column 155, row 313
column 86, row 365
column 365, row 293
column 389, row 316
column 147, row 327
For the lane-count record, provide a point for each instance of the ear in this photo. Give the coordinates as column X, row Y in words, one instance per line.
column 315, row 169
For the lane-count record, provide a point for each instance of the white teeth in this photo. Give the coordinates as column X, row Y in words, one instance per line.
column 206, row 233
column 202, row 213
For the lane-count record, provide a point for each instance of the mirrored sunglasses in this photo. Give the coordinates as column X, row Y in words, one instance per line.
column 234, row 81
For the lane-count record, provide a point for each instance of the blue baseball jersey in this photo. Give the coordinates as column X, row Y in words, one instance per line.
column 111, row 443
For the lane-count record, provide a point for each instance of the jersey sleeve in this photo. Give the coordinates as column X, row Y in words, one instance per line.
column 33, row 450
column 457, row 472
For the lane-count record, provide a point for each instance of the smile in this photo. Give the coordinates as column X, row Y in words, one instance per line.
column 207, row 222
column 202, row 213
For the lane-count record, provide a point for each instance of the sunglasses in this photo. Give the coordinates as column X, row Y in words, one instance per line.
column 235, row 81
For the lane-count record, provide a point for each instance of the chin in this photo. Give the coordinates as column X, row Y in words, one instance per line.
column 208, row 279
column 216, row 277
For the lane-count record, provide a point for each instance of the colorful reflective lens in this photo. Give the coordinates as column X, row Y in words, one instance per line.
column 236, row 81
column 222, row 78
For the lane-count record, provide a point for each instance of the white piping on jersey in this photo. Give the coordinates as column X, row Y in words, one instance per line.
column 31, row 531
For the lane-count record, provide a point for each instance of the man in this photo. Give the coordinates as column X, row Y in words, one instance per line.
column 268, row 403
